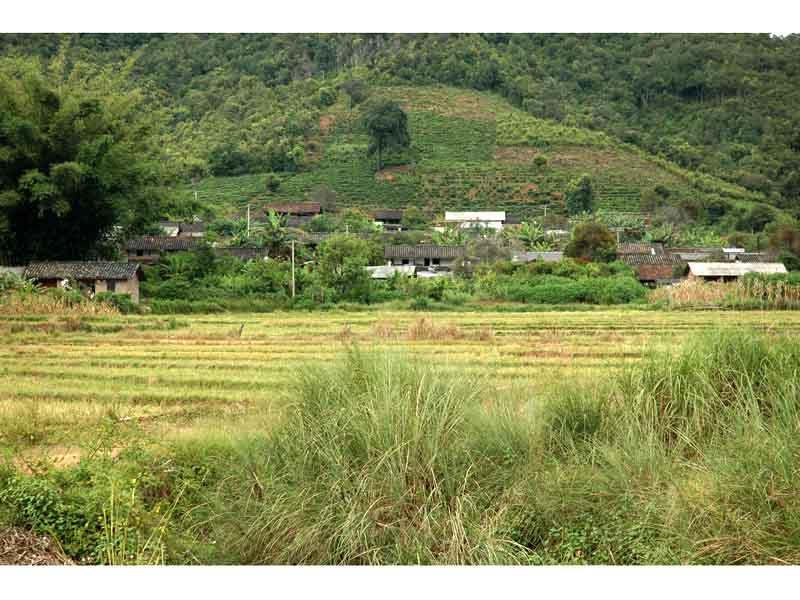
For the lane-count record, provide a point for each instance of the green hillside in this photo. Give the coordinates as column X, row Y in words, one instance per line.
column 470, row 150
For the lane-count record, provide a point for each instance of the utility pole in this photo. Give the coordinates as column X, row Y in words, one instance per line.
column 248, row 221
column 293, row 291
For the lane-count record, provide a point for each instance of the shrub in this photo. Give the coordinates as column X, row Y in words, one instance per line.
column 122, row 302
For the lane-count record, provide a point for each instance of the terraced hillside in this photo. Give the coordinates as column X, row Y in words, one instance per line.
column 470, row 150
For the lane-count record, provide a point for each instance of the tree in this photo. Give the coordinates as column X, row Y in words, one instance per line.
column 356, row 90
column 452, row 235
column 757, row 218
column 340, row 266
column 387, row 126
column 326, row 97
column 78, row 156
column 272, row 183
column 580, row 196
column 274, row 233
column 325, row 196
column 414, row 219
column 592, row 242
column 531, row 234
column 353, row 220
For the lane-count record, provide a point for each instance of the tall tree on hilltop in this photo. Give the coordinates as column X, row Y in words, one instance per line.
column 580, row 195
column 77, row 158
column 387, row 126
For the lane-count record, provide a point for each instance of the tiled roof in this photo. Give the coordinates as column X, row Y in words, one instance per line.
column 423, row 251
column 193, row 227
column 532, row 256
column 650, row 259
column 163, row 243
column 640, row 248
column 297, row 208
column 242, row 252
column 755, row 257
column 81, row 270
column 388, row 213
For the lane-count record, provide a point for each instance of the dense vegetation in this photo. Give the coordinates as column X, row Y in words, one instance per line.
column 249, row 104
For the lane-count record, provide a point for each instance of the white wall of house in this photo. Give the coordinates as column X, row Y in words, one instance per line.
column 468, row 219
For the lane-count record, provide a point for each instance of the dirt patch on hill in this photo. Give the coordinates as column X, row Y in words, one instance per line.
column 515, row 154
column 390, row 173
column 326, row 122
column 20, row 547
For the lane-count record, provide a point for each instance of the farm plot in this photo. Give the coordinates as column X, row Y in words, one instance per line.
column 232, row 374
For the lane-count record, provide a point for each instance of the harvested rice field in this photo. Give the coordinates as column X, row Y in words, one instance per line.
column 63, row 383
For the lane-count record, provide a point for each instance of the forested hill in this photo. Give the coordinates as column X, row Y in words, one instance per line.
column 670, row 113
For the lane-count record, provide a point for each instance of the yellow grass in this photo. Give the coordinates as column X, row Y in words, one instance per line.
column 228, row 374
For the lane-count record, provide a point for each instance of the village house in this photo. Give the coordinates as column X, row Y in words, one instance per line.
column 197, row 229
column 651, row 248
column 525, row 257
column 389, row 219
column 242, row 252
column 169, row 228
column 476, row 219
column 117, row 277
column 149, row 249
column 696, row 254
column 653, row 265
column 654, row 269
column 182, row 229
column 424, row 255
column 730, row 270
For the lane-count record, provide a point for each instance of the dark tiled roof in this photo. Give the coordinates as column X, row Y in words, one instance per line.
column 242, row 252
column 193, row 227
column 650, row 259
column 297, row 208
column 640, row 248
column 81, row 270
column 755, row 257
column 423, row 251
column 163, row 243
column 387, row 214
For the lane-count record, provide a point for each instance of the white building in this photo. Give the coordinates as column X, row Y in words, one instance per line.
column 489, row 219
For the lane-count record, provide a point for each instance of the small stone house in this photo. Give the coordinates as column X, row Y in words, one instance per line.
column 653, row 269
column 427, row 256
column 117, row 277
column 148, row 250
column 390, row 219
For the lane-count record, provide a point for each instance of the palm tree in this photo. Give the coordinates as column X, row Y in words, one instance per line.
column 452, row 235
column 274, row 232
column 531, row 234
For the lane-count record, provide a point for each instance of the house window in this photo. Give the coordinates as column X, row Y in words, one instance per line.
column 437, row 261
column 111, row 285
column 427, row 262
column 405, row 261
column 140, row 253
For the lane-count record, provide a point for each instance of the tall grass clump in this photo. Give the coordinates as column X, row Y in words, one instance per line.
column 384, row 461
column 714, row 377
